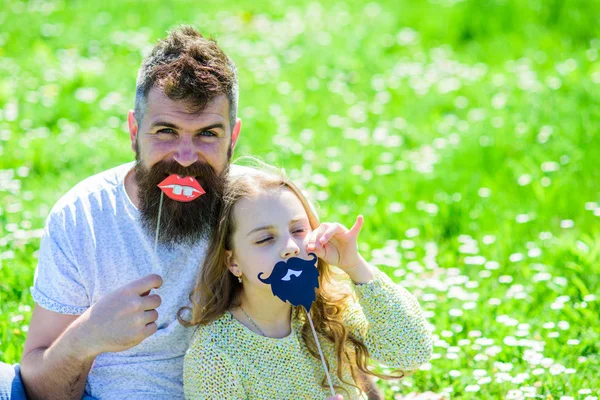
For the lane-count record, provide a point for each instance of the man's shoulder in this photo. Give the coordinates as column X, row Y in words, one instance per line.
column 107, row 181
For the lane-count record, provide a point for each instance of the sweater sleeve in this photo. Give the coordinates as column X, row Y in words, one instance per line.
column 208, row 373
column 390, row 322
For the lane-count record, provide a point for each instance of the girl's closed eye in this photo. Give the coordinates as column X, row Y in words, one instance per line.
column 265, row 240
column 300, row 231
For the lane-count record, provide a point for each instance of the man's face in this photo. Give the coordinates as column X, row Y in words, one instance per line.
column 174, row 140
column 171, row 130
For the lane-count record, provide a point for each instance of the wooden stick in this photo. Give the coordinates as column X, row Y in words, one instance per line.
column 321, row 353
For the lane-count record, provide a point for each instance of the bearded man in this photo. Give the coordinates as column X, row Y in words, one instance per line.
column 104, row 323
column 107, row 287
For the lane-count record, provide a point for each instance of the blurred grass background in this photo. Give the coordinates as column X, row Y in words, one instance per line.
column 465, row 131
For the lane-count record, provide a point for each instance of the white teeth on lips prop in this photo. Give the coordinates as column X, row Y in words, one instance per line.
column 182, row 189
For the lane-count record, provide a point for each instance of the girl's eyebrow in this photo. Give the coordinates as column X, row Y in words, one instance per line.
column 299, row 218
column 262, row 228
column 268, row 227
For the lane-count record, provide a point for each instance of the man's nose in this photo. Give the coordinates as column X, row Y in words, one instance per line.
column 291, row 249
column 186, row 153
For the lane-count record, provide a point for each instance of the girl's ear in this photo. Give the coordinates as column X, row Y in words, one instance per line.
column 231, row 264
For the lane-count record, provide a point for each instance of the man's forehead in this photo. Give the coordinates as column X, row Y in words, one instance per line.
column 160, row 106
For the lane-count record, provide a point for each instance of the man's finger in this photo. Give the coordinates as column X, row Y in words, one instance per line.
column 145, row 284
column 150, row 329
column 151, row 302
column 150, row 316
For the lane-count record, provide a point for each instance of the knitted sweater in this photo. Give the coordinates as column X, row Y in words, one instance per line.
column 226, row 360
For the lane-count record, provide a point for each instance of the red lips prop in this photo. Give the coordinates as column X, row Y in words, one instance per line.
column 182, row 189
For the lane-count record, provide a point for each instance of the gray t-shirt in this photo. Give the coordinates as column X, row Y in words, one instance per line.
column 94, row 243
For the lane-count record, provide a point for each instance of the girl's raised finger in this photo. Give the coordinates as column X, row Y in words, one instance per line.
column 355, row 230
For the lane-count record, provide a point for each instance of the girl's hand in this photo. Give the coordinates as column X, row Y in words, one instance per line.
column 336, row 397
column 336, row 245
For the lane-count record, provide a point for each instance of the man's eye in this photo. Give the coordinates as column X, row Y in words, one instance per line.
column 207, row 133
column 265, row 240
column 166, row 130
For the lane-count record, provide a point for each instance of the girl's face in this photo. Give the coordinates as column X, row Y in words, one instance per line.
column 270, row 227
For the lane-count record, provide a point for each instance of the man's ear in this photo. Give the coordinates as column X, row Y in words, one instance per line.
column 235, row 133
column 133, row 129
column 231, row 263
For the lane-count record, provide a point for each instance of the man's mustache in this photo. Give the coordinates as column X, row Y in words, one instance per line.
column 197, row 170
column 182, row 222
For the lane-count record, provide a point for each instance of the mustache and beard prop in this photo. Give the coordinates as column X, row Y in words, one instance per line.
column 181, row 222
column 294, row 281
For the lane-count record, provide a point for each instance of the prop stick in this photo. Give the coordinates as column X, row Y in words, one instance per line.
column 183, row 189
column 295, row 281
column 162, row 194
column 312, row 326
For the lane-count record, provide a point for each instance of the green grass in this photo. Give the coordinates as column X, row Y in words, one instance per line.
column 467, row 134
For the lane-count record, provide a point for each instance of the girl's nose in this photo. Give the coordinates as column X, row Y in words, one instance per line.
column 291, row 249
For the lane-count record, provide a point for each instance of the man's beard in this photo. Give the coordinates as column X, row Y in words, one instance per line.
column 180, row 222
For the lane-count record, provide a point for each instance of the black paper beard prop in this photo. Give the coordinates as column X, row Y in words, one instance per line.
column 295, row 281
column 181, row 223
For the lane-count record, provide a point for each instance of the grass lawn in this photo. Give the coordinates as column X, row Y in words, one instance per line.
column 466, row 132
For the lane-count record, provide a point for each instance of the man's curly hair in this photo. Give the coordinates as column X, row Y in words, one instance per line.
column 187, row 67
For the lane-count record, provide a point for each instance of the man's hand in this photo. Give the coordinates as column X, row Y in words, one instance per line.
column 123, row 318
column 60, row 349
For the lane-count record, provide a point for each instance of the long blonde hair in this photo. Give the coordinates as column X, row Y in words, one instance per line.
column 217, row 290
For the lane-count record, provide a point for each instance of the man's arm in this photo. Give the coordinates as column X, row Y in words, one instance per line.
column 53, row 365
column 60, row 349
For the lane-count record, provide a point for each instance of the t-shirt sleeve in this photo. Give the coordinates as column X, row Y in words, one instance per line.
column 57, row 283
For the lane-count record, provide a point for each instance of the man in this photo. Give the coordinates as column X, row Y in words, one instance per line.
column 104, row 323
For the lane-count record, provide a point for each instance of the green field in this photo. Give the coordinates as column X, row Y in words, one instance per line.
column 466, row 132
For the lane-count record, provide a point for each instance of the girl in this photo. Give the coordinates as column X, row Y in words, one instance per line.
column 251, row 345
